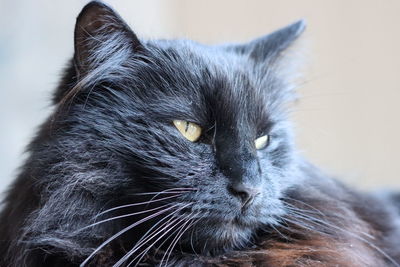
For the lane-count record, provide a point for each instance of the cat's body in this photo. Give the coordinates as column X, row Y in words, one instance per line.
column 110, row 180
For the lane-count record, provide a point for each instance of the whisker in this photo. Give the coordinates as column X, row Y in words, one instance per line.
column 181, row 230
column 173, row 240
column 179, row 194
column 305, row 204
column 198, row 219
column 134, row 204
column 322, row 222
column 376, row 248
column 148, row 232
column 299, row 213
column 123, row 216
column 122, row 232
column 162, row 228
column 168, row 191
column 144, row 240
column 290, row 206
column 177, row 238
column 143, row 253
column 191, row 239
column 140, row 256
column 279, row 233
column 302, row 225
column 172, row 214
column 159, row 246
column 205, row 245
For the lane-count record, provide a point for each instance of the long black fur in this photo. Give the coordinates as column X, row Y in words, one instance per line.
column 111, row 142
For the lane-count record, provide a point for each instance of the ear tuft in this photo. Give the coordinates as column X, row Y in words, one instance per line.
column 96, row 25
column 104, row 46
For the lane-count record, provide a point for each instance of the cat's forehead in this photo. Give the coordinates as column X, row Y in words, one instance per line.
column 212, row 82
column 211, row 69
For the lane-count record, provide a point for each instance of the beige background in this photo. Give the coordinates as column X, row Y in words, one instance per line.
column 347, row 120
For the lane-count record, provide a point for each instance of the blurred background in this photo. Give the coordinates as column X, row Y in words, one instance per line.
column 347, row 119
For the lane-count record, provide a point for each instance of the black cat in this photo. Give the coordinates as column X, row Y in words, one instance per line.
column 173, row 153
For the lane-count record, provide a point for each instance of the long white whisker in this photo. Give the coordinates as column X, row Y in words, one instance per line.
column 173, row 189
column 191, row 239
column 135, row 204
column 173, row 240
column 166, row 239
column 123, row 216
column 291, row 206
column 305, row 204
column 174, row 232
column 177, row 238
column 279, row 233
column 322, row 222
column 168, row 191
column 122, row 232
column 379, row 250
column 143, row 240
column 144, row 252
column 162, row 228
column 302, row 225
column 170, row 215
column 140, row 256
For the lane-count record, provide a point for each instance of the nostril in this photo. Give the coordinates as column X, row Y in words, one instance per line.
column 244, row 196
column 245, row 193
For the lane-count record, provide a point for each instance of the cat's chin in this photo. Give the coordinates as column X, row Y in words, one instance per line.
column 211, row 238
column 217, row 233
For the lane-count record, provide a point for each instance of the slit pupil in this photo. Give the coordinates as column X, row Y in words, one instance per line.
column 186, row 127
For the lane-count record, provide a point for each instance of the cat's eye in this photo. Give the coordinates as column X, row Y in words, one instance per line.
column 261, row 142
column 191, row 131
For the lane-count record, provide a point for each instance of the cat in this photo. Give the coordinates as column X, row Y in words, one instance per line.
column 174, row 153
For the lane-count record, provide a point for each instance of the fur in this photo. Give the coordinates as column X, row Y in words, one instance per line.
column 109, row 180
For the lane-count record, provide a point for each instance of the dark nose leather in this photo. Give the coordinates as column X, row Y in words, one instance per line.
column 245, row 193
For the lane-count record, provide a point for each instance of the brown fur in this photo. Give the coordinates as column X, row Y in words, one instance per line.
column 347, row 241
column 318, row 251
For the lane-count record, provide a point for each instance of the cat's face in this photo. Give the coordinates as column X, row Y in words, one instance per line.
column 134, row 105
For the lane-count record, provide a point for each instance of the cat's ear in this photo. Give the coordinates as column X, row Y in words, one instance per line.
column 101, row 34
column 269, row 47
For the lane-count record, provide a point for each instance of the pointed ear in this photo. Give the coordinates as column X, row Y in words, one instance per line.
column 100, row 33
column 269, row 47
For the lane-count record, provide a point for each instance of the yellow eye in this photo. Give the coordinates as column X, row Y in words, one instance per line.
column 261, row 142
column 189, row 130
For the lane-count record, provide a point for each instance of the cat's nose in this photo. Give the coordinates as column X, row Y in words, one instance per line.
column 245, row 193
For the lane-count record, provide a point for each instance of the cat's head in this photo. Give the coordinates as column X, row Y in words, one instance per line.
column 203, row 125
